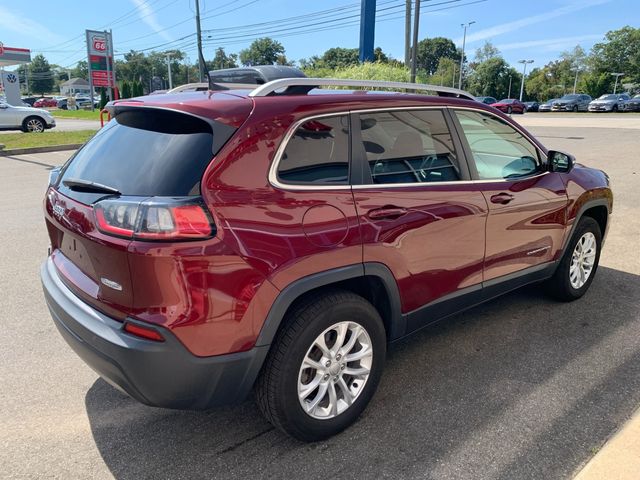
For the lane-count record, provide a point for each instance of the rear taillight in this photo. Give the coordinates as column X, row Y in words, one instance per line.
column 154, row 219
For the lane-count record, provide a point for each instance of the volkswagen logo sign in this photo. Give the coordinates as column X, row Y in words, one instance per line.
column 12, row 78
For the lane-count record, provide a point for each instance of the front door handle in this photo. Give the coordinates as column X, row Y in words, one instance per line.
column 386, row 213
column 501, row 198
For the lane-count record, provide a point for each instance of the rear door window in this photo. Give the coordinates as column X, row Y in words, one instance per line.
column 317, row 153
column 412, row 146
column 146, row 152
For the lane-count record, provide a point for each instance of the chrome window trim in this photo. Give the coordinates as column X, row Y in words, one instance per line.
column 273, row 170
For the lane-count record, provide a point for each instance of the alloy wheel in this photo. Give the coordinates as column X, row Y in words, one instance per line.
column 582, row 260
column 35, row 125
column 335, row 370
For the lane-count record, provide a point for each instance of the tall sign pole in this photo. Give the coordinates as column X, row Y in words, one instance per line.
column 108, row 68
column 89, row 65
column 367, row 30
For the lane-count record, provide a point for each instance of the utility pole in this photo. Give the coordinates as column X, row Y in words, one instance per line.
column 407, row 34
column 414, row 49
column 509, row 94
column 201, row 65
column 524, row 74
column 464, row 41
column 169, row 69
column 575, row 82
column 617, row 75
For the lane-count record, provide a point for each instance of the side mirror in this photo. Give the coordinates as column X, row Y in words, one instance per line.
column 560, row 162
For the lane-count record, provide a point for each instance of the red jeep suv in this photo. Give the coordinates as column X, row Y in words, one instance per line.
column 207, row 244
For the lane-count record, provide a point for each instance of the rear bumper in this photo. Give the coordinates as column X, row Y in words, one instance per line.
column 161, row 374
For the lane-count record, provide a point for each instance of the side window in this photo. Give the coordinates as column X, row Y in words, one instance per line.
column 499, row 151
column 317, row 153
column 412, row 146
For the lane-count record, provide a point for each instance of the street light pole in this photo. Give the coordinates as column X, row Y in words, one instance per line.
column 169, row 69
column 464, row 41
column 509, row 94
column 617, row 75
column 524, row 74
column 575, row 82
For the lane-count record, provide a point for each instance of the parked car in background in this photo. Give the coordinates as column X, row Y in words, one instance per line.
column 188, row 286
column 81, row 102
column 27, row 119
column 573, row 102
column 633, row 104
column 532, row 106
column 546, row 106
column 486, row 100
column 510, row 105
column 608, row 102
column 45, row 102
column 29, row 100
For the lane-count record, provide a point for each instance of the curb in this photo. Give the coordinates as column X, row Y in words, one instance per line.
column 619, row 458
column 50, row 148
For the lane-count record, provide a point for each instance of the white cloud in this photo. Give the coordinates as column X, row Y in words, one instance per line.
column 501, row 29
column 551, row 44
column 147, row 15
column 25, row 26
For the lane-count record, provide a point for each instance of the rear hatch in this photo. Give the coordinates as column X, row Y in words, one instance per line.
column 137, row 179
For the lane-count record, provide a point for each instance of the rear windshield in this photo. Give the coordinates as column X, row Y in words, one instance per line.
column 148, row 152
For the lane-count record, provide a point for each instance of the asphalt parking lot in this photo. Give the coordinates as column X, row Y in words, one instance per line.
column 522, row 387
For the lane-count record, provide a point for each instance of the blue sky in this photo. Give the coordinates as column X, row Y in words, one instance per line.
column 537, row 30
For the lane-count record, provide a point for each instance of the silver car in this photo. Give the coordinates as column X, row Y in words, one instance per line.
column 27, row 119
column 573, row 102
column 546, row 106
column 608, row 102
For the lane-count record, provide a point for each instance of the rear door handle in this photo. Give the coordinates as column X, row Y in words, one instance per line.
column 501, row 198
column 386, row 213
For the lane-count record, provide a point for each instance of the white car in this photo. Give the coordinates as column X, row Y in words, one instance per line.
column 27, row 119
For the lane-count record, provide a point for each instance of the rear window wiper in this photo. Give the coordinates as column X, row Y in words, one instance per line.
column 80, row 185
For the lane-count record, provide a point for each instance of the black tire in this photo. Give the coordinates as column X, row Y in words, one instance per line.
column 559, row 286
column 575, row 108
column 614, row 108
column 509, row 110
column 33, row 124
column 277, row 387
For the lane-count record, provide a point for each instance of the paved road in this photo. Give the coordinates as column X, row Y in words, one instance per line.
column 519, row 388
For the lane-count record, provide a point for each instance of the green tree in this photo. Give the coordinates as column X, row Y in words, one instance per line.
column 491, row 78
column 222, row 60
column 103, row 98
column 263, row 51
column 596, row 84
column 487, row 51
column 620, row 52
column 432, row 50
column 125, row 91
column 81, row 70
column 41, row 76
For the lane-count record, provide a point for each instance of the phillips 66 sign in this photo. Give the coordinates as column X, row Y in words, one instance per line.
column 100, row 57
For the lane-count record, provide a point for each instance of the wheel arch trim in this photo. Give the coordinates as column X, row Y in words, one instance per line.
column 328, row 277
column 589, row 204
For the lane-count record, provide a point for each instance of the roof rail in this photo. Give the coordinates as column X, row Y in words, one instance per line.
column 300, row 86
